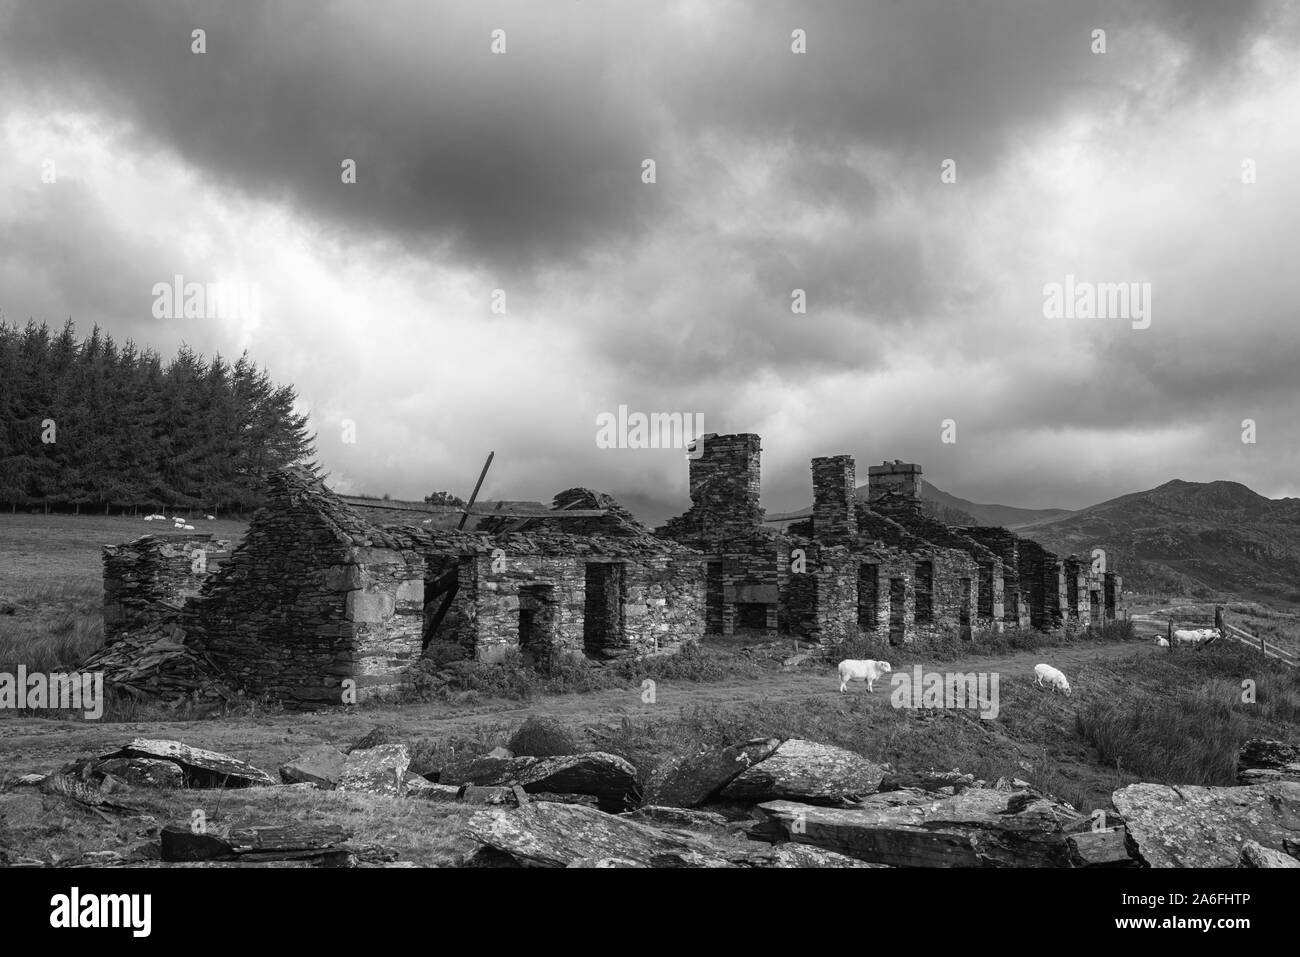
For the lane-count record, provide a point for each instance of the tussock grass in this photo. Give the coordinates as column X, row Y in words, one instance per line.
column 443, row 676
column 1189, row 710
column 54, row 627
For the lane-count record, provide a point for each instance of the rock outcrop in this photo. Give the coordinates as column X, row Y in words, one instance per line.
column 807, row 771
column 1262, row 761
column 980, row 828
column 1193, row 826
column 563, row 835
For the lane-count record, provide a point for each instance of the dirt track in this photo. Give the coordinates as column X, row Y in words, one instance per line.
column 32, row 744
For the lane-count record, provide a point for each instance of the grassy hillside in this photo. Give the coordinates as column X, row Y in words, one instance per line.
column 1198, row 539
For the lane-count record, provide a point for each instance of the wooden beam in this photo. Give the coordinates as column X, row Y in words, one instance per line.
column 474, row 494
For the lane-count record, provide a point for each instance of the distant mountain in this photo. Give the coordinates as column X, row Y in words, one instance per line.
column 1200, row 539
column 958, row 511
column 939, row 502
column 1189, row 538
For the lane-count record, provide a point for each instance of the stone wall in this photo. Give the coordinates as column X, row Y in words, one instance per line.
column 659, row 600
column 386, row 616
column 897, row 481
column 834, row 505
column 311, row 598
column 1006, row 546
column 149, row 580
column 1113, row 596
column 724, row 486
column 824, row 599
column 1043, row 573
column 1077, row 606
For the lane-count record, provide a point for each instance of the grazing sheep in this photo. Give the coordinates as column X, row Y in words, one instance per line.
column 861, row 670
column 1162, row 642
column 210, row 518
column 1193, row 636
column 148, row 518
column 1052, row 675
column 188, row 528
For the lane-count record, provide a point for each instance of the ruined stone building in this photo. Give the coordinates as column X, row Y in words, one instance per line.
column 876, row 569
column 320, row 596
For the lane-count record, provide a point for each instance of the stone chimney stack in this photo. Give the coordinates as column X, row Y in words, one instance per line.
column 725, row 482
column 835, row 516
column 895, row 483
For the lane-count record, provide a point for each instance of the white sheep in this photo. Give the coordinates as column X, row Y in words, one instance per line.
column 1053, row 676
column 1162, row 642
column 861, row 670
column 210, row 518
column 188, row 528
column 1193, row 636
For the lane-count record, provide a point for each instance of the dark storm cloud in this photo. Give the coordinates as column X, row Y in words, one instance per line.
column 534, row 156
column 775, row 172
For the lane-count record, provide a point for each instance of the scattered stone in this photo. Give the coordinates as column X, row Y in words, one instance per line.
column 1255, row 854
column 564, row 835
column 306, row 844
column 286, row 838
column 946, row 782
column 611, row 779
column 543, row 737
column 603, row 862
column 520, row 795
column 1193, row 826
column 473, row 794
column 802, row 855
column 30, row 780
column 500, row 752
column 485, row 770
column 433, row 792
column 378, row 770
column 807, row 771
column 588, row 800
column 1262, row 760
column 414, row 783
column 153, row 662
column 321, row 766
column 202, row 769
column 693, row 780
column 982, row 827
column 143, row 772
column 607, row 777
column 179, row 843
column 678, row 817
column 1108, row 847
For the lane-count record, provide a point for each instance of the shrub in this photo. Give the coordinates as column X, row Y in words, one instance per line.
column 542, row 737
column 1120, row 629
column 441, row 653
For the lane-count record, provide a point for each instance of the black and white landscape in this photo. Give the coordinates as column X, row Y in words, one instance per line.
column 723, row 434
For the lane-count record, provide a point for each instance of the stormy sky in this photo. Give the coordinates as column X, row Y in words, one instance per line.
column 1171, row 158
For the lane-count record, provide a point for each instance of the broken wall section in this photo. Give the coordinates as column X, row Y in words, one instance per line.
column 148, row 581
column 315, row 603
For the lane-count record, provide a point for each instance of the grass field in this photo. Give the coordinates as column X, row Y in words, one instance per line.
column 51, row 574
column 1138, row 713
